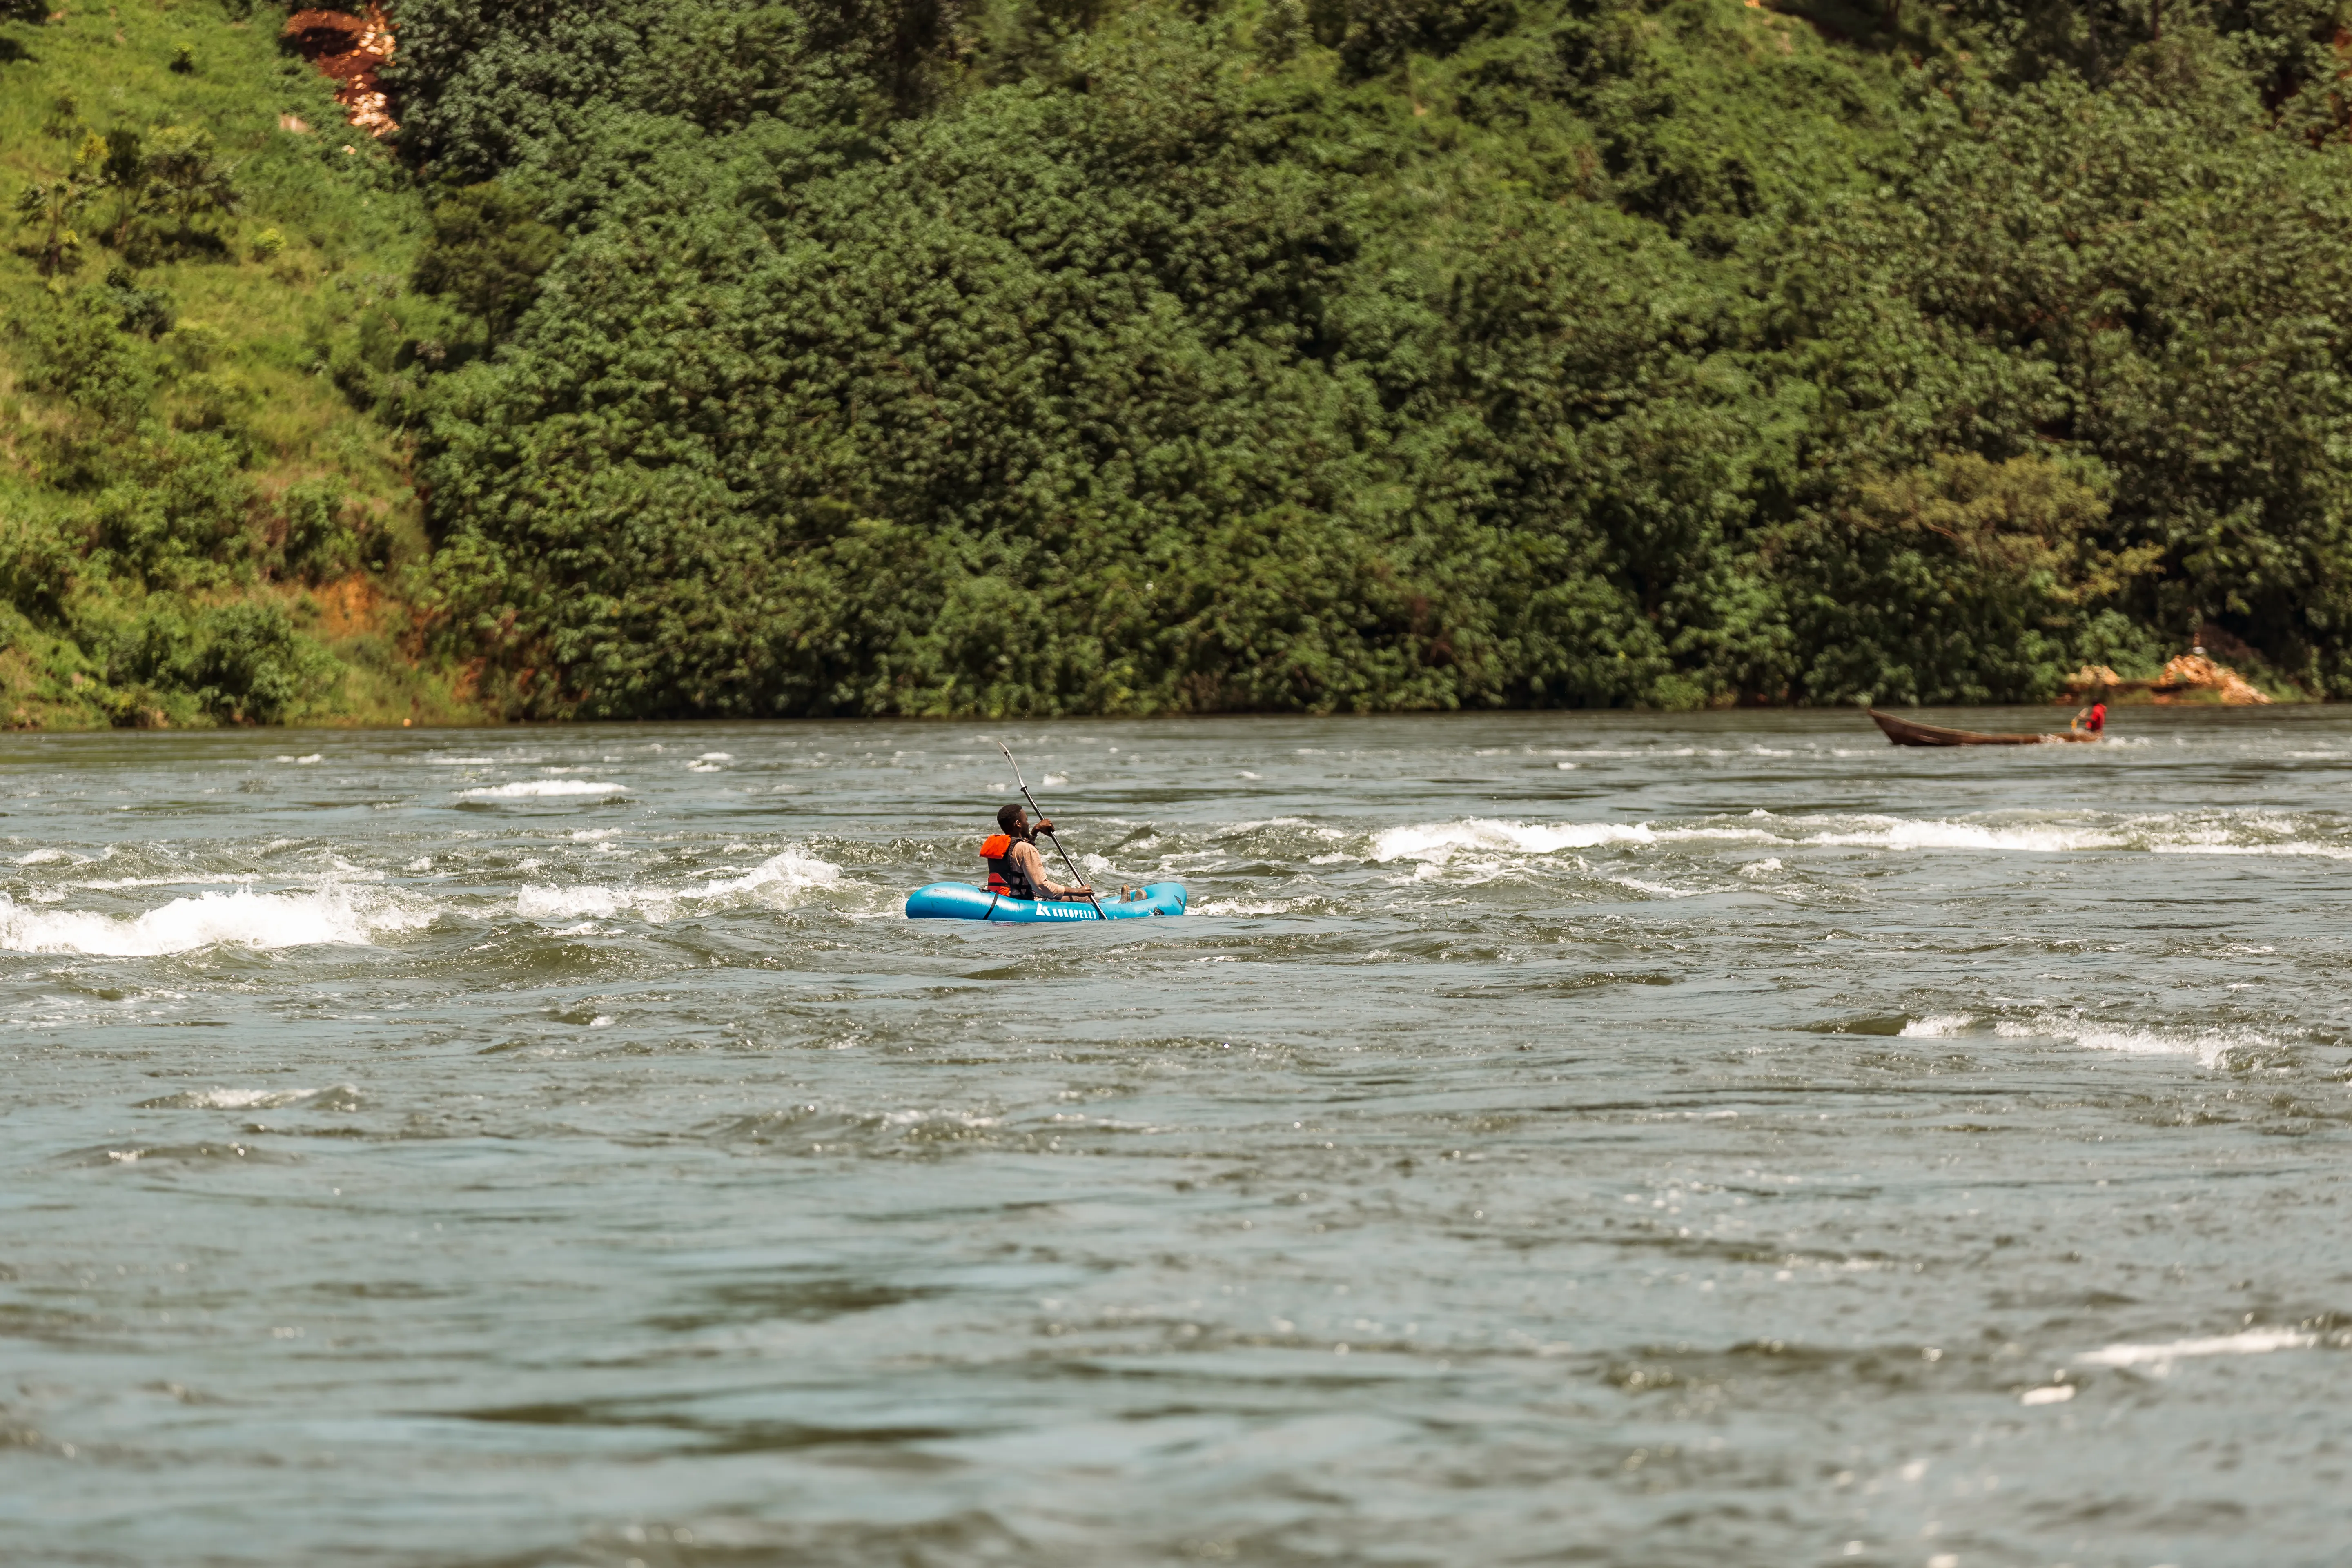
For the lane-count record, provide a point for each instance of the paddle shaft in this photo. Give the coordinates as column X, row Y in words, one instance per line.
column 1049, row 832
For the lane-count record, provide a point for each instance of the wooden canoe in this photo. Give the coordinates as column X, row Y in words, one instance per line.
column 1903, row 733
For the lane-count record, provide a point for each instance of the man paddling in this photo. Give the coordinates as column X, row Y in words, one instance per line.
column 2092, row 720
column 1014, row 867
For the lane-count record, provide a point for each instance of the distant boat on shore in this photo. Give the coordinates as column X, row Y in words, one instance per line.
column 1903, row 733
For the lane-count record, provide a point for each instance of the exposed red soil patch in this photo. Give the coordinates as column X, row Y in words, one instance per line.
column 348, row 51
column 349, row 606
column 2191, row 678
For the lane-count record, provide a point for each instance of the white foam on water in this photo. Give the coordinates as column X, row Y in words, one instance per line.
column 2317, row 851
column 717, row 757
column 779, row 881
column 1897, row 833
column 459, row 761
column 245, row 1098
column 2208, row 1045
column 1656, row 890
column 2159, row 1358
column 570, row 903
column 44, row 858
column 2254, row 833
column 542, row 789
column 329, row 916
column 1438, row 842
column 1304, row 823
column 786, row 873
column 302, row 761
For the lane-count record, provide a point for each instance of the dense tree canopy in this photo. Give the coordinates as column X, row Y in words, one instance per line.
column 908, row 357
column 932, row 356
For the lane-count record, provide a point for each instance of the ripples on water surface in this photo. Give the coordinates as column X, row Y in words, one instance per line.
column 1723, row 1141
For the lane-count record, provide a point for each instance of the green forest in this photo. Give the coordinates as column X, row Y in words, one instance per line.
column 680, row 358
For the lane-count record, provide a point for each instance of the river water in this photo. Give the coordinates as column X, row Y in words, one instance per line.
column 1641, row 1140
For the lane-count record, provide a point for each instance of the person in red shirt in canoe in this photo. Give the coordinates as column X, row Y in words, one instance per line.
column 2092, row 720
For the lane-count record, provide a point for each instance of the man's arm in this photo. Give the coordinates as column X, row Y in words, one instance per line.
column 1034, row 864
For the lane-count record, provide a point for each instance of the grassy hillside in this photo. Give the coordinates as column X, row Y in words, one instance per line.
column 197, row 524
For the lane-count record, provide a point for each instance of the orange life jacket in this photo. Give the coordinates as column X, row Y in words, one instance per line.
column 1004, row 875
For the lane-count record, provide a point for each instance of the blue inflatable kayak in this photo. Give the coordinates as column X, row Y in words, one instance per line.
column 963, row 902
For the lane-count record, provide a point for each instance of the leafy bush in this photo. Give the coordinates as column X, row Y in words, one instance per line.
column 169, row 192
column 171, row 517
column 242, row 663
column 147, row 311
column 487, row 252
column 48, row 211
column 325, row 535
column 1963, row 581
column 479, row 85
column 76, row 349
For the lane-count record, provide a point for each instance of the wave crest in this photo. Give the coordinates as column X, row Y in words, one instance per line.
column 778, row 880
column 542, row 789
column 1439, row 841
column 330, row 916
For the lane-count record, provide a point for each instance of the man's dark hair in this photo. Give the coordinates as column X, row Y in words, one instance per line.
column 1008, row 817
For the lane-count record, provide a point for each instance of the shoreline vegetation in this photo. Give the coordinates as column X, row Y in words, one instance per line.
column 626, row 359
